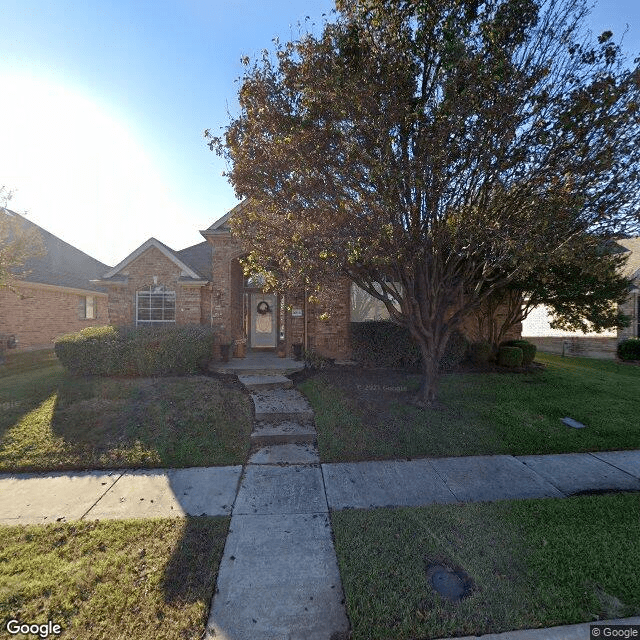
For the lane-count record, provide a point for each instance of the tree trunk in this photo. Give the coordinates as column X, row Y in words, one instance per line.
column 428, row 393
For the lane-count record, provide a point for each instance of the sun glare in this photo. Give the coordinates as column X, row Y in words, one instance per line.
column 78, row 170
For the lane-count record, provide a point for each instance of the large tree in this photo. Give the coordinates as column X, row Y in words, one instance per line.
column 433, row 151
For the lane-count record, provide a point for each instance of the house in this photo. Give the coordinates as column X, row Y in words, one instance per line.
column 537, row 329
column 205, row 284
column 54, row 292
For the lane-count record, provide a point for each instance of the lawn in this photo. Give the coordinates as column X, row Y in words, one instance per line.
column 365, row 414
column 151, row 579
column 50, row 420
column 529, row 564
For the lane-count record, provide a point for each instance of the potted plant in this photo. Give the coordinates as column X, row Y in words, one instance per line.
column 225, row 348
column 240, row 348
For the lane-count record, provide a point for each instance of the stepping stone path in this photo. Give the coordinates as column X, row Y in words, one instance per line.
column 279, row 578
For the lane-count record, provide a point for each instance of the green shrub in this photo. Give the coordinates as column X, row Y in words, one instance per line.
column 455, row 351
column 528, row 349
column 139, row 351
column 480, row 352
column 510, row 356
column 381, row 343
column 90, row 351
column 629, row 349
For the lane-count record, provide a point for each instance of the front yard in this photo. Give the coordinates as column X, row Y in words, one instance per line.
column 528, row 564
column 365, row 414
column 50, row 420
column 143, row 579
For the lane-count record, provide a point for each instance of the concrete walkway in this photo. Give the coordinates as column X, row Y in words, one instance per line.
column 279, row 577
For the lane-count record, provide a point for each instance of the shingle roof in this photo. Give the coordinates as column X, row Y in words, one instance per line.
column 62, row 265
column 220, row 225
column 633, row 263
column 199, row 258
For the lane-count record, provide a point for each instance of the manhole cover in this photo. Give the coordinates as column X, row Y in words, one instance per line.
column 452, row 585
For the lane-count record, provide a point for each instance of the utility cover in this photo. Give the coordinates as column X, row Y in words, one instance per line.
column 570, row 422
column 452, row 585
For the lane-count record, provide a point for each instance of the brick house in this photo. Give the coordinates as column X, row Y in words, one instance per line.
column 537, row 329
column 54, row 293
column 204, row 284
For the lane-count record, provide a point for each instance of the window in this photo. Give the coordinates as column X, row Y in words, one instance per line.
column 87, row 308
column 155, row 306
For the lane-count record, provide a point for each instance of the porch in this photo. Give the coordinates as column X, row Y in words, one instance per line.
column 257, row 363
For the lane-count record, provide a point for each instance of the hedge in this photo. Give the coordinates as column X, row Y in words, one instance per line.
column 629, row 349
column 510, row 356
column 528, row 349
column 480, row 352
column 139, row 351
column 381, row 343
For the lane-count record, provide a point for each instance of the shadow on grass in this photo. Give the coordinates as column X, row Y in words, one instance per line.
column 53, row 421
column 191, row 573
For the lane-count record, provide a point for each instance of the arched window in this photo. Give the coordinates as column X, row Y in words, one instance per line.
column 155, row 305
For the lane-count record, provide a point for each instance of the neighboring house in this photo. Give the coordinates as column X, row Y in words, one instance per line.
column 537, row 329
column 54, row 293
column 204, row 284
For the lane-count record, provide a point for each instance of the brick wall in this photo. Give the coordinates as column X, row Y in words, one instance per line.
column 630, row 308
column 227, row 286
column 141, row 272
column 604, row 348
column 46, row 313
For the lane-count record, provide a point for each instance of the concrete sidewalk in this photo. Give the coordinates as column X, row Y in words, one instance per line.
column 42, row 498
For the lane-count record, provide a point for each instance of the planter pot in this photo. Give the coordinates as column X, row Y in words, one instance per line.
column 225, row 351
column 240, row 350
column 297, row 351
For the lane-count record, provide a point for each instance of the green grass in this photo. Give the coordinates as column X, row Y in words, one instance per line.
column 50, row 420
column 151, row 579
column 534, row 563
column 480, row 414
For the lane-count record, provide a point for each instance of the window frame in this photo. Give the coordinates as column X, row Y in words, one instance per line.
column 156, row 290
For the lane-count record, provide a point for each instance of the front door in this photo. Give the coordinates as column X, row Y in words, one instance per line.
column 263, row 319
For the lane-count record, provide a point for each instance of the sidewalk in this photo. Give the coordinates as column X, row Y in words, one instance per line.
column 42, row 498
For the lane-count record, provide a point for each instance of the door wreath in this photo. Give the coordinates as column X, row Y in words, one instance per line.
column 263, row 307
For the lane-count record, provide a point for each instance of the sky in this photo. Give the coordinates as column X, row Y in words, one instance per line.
column 103, row 105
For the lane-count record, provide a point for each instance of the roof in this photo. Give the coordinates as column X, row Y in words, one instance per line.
column 220, row 225
column 62, row 265
column 632, row 245
column 199, row 257
column 188, row 272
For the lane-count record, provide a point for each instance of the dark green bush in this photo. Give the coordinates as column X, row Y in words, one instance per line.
column 139, row 351
column 480, row 352
column 629, row 349
column 455, row 351
column 510, row 356
column 381, row 343
column 528, row 349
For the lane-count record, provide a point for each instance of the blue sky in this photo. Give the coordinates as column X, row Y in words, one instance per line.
column 104, row 105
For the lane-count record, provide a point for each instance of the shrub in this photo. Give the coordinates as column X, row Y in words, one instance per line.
column 455, row 351
column 381, row 343
column 629, row 349
column 480, row 352
column 139, row 351
column 510, row 356
column 528, row 349
column 89, row 352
